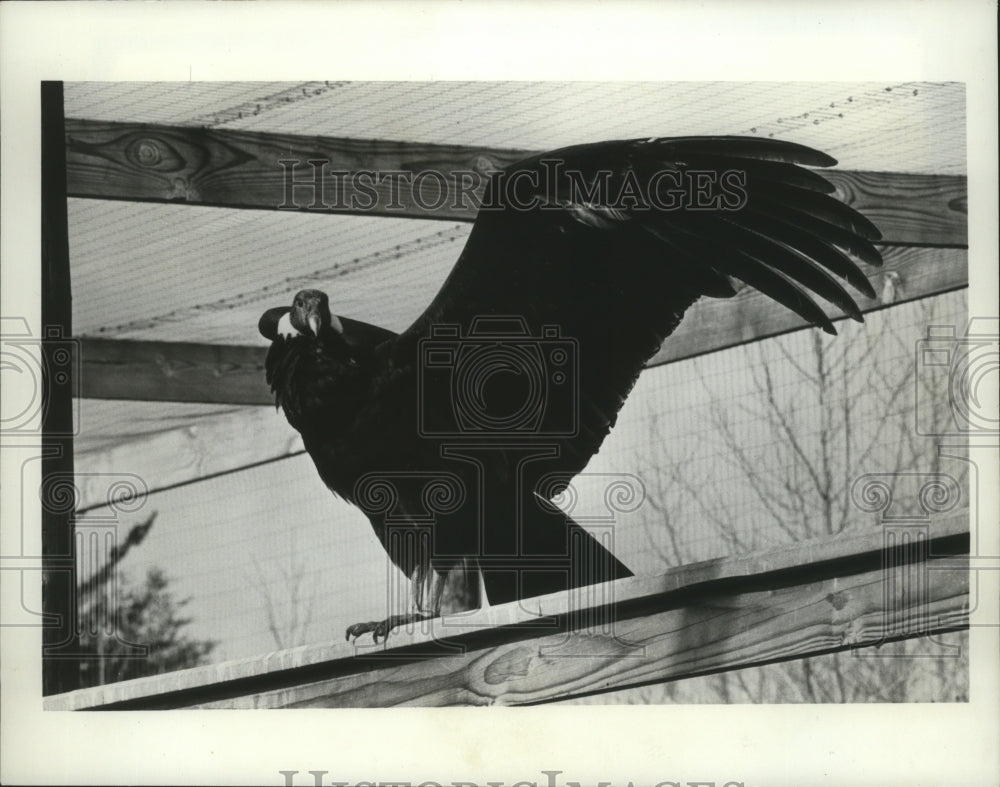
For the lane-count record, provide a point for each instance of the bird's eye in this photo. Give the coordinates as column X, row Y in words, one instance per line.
column 298, row 302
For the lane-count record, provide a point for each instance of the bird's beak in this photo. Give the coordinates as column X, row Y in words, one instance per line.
column 313, row 320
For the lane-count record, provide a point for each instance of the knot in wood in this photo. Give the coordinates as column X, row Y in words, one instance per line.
column 153, row 153
column 147, row 153
column 512, row 665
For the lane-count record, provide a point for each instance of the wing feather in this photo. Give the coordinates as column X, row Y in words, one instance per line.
column 813, row 246
column 762, row 148
column 790, row 261
column 804, row 221
column 776, row 172
column 738, row 262
column 824, row 208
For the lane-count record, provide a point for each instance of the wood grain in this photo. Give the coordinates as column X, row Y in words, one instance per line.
column 913, row 209
column 244, row 169
column 815, row 597
column 131, row 161
column 182, row 372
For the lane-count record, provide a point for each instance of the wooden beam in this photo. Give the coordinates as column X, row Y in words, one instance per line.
column 816, row 597
column 243, row 169
column 173, row 372
column 132, row 161
column 181, row 372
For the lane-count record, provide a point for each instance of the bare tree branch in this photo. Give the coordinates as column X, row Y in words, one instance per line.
column 849, row 411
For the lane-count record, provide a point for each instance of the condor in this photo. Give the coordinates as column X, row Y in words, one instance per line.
column 602, row 284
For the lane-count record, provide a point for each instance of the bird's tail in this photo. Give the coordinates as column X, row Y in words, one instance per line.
column 555, row 554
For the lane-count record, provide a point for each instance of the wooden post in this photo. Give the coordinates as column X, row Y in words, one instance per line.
column 58, row 587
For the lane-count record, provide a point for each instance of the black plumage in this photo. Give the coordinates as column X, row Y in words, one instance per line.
column 585, row 262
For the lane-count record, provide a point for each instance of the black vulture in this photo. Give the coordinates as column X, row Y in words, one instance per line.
column 455, row 435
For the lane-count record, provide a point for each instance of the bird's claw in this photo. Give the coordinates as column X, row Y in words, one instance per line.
column 357, row 629
column 379, row 629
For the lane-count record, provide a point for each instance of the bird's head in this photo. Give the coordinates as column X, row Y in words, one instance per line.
column 309, row 315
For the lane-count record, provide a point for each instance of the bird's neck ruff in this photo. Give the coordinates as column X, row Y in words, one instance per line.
column 288, row 331
column 285, row 328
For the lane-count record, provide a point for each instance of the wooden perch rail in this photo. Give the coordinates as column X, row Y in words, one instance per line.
column 241, row 169
column 853, row 590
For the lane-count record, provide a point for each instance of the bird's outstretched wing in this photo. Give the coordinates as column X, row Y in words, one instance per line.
column 609, row 243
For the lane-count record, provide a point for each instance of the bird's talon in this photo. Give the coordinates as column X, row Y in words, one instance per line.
column 379, row 630
column 356, row 630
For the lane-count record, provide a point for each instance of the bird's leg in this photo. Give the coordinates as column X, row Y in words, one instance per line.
column 426, row 589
